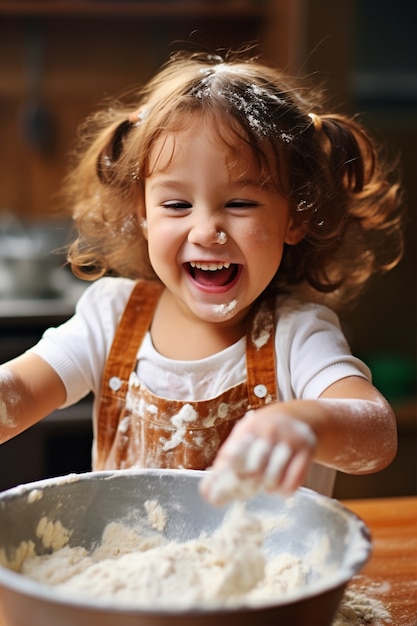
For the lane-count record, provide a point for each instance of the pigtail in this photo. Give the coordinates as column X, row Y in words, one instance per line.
column 355, row 163
column 359, row 209
column 347, row 157
column 110, row 154
column 103, row 189
column 108, row 161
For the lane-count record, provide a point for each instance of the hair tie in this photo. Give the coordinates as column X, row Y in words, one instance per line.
column 317, row 122
column 111, row 153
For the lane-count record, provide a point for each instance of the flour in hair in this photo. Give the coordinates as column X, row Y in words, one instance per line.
column 259, row 106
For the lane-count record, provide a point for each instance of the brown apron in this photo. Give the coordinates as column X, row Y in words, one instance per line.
column 136, row 428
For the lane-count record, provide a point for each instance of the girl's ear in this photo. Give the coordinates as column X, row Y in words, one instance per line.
column 141, row 212
column 144, row 226
column 295, row 232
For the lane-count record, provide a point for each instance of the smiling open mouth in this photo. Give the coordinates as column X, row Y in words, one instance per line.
column 212, row 274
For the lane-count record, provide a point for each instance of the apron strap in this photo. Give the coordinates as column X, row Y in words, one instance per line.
column 261, row 371
column 121, row 361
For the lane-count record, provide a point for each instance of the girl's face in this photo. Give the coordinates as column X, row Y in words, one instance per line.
column 215, row 234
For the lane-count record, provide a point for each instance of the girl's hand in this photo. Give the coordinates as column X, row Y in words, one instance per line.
column 269, row 452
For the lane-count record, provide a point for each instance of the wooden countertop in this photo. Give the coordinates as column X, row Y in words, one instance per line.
column 390, row 575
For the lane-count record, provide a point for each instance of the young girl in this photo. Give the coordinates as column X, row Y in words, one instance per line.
column 225, row 217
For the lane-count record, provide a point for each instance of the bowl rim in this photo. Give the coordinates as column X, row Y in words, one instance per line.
column 18, row 583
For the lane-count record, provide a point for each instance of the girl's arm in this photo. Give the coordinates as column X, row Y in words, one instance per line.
column 356, row 428
column 350, row 428
column 29, row 390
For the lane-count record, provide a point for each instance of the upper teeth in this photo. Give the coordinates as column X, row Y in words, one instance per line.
column 209, row 266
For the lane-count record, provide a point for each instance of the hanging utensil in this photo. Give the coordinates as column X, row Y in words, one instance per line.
column 36, row 120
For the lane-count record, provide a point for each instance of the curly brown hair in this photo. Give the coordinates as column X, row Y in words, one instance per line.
column 326, row 164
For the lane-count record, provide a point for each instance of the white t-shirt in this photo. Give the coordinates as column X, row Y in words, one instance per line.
column 311, row 354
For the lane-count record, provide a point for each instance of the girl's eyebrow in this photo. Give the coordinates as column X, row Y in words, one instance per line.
column 160, row 182
column 164, row 183
column 250, row 182
column 246, row 182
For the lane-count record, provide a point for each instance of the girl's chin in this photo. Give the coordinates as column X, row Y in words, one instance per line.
column 216, row 312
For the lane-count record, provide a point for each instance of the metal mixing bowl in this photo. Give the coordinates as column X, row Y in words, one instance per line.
column 86, row 503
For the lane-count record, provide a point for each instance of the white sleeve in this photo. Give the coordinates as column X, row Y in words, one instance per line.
column 312, row 352
column 77, row 350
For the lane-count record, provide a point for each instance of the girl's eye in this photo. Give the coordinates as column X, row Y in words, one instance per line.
column 176, row 205
column 239, row 204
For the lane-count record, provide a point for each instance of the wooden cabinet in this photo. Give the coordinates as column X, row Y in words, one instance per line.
column 73, row 55
column 67, row 57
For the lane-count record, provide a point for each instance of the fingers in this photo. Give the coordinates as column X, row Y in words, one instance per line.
column 244, row 476
column 257, row 456
column 275, row 461
column 277, row 464
column 221, row 486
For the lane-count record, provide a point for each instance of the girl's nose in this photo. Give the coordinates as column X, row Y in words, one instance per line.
column 205, row 234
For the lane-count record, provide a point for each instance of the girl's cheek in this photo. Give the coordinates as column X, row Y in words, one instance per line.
column 255, row 235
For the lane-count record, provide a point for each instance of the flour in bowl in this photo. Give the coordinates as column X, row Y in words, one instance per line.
column 140, row 568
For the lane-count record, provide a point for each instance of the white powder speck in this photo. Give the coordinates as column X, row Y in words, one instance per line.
column 186, row 415
column 222, row 310
column 209, row 421
column 137, row 404
column 34, row 495
column 263, row 327
column 5, row 419
column 357, row 609
column 157, row 516
column 11, row 400
column 124, row 425
column 134, row 380
column 129, row 228
column 144, row 407
column 221, row 237
column 222, row 409
column 52, row 534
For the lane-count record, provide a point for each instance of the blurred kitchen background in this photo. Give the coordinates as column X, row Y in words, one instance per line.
column 59, row 59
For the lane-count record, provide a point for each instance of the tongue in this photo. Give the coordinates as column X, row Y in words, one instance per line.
column 217, row 278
